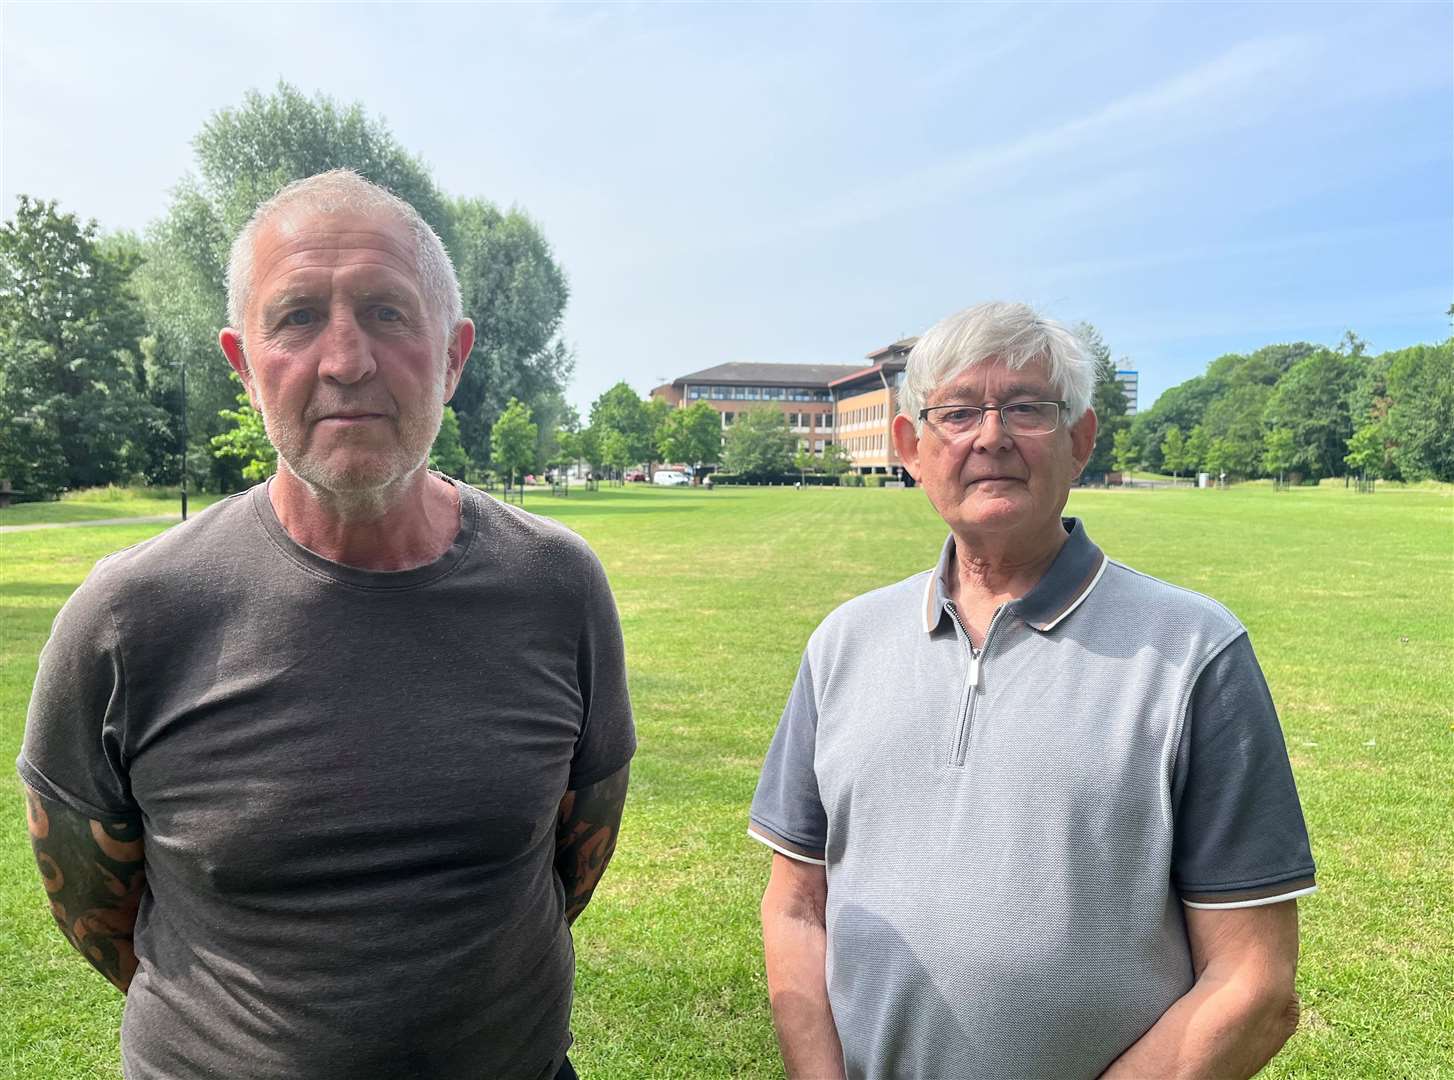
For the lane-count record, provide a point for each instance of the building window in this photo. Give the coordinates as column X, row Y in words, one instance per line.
column 727, row 419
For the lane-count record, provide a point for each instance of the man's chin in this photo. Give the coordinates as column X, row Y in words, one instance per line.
column 352, row 478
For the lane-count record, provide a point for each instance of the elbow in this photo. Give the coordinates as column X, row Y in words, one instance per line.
column 1286, row 1010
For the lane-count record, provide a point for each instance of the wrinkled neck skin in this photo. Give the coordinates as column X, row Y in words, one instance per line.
column 990, row 571
column 397, row 526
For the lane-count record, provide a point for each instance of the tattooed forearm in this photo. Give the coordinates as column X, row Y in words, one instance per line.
column 585, row 837
column 94, row 875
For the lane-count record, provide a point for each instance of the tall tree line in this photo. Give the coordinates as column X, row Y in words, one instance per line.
column 96, row 332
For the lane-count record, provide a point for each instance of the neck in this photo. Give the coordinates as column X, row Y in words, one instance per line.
column 991, row 571
column 400, row 526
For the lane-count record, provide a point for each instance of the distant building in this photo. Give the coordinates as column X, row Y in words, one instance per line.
column 799, row 391
column 824, row 403
column 1128, row 379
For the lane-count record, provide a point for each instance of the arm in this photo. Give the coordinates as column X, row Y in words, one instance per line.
column 585, row 837
column 795, row 941
column 94, row 875
column 1242, row 1007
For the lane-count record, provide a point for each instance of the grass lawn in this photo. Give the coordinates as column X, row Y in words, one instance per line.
column 1350, row 601
column 98, row 504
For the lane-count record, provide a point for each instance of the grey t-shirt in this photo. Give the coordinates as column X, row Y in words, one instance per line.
column 348, row 783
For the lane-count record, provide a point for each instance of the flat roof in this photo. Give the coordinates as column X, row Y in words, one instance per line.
column 742, row 373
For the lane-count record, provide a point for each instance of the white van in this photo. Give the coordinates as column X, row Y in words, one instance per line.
column 670, row 478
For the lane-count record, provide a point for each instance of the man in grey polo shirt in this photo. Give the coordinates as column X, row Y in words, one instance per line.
column 1031, row 810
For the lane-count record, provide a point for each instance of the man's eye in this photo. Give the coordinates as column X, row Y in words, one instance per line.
column 958, row 416
column 301, row 317
column 1022, row 408
column 388, row 314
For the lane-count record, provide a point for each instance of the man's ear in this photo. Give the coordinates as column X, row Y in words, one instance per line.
column 457, row 352
column 231, row 342
column 906, row 442
column 1083, row 439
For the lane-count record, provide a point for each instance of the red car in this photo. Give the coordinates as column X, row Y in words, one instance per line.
column 636, row 476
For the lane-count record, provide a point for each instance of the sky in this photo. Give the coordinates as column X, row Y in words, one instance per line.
column 804, row 183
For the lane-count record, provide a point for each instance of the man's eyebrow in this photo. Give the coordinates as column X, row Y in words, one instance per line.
column 391, row 293
column 1038, row 393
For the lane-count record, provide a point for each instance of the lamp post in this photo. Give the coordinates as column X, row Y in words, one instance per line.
column 184, row 439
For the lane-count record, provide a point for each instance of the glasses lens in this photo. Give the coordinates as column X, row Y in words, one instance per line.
column 1030, row 417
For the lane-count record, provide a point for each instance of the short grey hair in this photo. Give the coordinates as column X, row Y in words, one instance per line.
column 345, row 191
column 998, row 331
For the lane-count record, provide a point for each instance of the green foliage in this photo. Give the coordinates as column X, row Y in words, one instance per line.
column 447, row 455
column 692, row 435
column 246, row 441
column 621, row 412
column 516, row 294
column 512, row 439
column 835, row 460
column 1311, row 401
column 1278, row 452
column 1421, row 411
column 1108, row 401
column 1124, row 455
column 1173, row 451
column 759, row 442
column 73, row 404
column 1198, row 447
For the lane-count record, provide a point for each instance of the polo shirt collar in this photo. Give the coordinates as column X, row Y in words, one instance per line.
column 1077, row 568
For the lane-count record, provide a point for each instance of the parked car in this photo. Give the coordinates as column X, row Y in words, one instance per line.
column 671, row 478
column 636, row 476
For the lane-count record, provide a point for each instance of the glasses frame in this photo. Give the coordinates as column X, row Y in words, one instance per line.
column 1061, row 407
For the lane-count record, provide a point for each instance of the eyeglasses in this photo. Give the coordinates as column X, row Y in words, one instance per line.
column 1017, row 418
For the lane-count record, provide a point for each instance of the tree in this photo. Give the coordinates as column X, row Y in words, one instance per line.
column 512, row 440
column 692, row 435
column 835, row 459
column 1108, row 400
column 1366, row 451
column 1311, row 401
column 1421, row 410
column 246, row 441
column 759, row 443
column 1278, row 452
column 614, row 451
column 1124, row 454
column 516, row 294
column 1173, row 451
column 1198, row 447
column 620, row 410
column 73, row 404
column 447, row 455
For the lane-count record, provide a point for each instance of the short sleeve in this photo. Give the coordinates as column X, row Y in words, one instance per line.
column 1240, row 839
column 75, row 729
column 787, row 812
column 608, row 736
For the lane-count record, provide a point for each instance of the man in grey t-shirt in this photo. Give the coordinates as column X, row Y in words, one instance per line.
column 1031, row 811
column 320, row 778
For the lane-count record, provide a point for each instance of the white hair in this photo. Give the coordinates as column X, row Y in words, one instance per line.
column 998, row 332
column 345, row 191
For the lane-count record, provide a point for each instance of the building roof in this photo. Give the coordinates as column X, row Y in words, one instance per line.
column 903, row 345
column 768, row 374
column 887, row 367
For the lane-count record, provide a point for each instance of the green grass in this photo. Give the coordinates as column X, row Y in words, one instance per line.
column 1350, row 601
column 96, row 504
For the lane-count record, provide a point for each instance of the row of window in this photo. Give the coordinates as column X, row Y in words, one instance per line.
column 866, row 444
column 756, row 393
column 796, row 421
column 868, row 414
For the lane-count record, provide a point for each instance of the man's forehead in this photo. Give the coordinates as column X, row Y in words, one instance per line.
column 995, row 378
column 305, row 251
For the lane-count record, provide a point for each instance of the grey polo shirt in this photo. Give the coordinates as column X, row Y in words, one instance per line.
column 1010, row 834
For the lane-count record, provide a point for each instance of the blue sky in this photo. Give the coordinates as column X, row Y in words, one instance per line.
column 805, row 183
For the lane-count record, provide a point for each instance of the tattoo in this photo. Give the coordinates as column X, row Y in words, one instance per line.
column 94, row 874
column 585, row 838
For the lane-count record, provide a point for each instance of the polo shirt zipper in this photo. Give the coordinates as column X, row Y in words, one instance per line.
column 971, row 682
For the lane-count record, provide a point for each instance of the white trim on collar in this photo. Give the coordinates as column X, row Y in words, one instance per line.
column 932, row 608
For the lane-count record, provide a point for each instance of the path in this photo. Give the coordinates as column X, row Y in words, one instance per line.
column 154, row 519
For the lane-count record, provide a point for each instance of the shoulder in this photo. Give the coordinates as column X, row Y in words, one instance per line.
column 155, row 568
column 878, row 614
column 1154, row 607
column 531, row 535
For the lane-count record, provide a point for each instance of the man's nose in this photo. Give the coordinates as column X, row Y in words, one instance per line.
column 348, row 355
column 992, row 438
